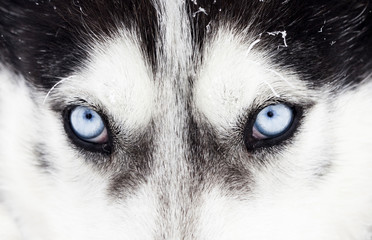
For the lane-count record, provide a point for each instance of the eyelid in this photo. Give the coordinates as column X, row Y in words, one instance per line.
column 102, row 138
column 256, row 134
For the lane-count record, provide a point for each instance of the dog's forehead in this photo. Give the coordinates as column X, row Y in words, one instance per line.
column 117, row 77
column 300, row 35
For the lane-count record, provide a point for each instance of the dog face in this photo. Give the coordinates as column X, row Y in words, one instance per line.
column 186, row 119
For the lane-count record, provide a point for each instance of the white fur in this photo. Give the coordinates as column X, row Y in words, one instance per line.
column 72, row 202
column 117, row 77
column 290, row 203
column 235, row 75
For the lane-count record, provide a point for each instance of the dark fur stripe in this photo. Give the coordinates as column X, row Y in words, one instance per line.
column 44, row 40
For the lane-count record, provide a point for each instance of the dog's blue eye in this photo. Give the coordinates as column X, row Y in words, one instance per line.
column 88, row 125
column 272, row 121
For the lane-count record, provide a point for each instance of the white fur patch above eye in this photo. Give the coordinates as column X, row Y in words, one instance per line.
column 234, row 75
column 117, row 77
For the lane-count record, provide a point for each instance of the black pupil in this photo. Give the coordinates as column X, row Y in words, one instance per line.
column 88, row 116
column 270, row 114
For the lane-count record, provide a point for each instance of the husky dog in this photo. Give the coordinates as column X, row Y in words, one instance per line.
column 185, row 119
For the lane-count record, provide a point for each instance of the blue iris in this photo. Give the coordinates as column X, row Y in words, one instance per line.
column 274, row 120
column 86, row 123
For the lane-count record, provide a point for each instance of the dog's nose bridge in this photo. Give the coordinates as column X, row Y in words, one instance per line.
column 171, row 173
column 171, row 170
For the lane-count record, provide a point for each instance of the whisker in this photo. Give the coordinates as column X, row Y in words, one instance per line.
column 272, row 89
column 281, row 77
column 252, row 45
column 54, row 86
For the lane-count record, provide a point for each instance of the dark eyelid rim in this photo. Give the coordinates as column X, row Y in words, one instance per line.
column 252, row 144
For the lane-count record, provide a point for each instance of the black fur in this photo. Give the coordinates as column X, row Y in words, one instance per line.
column 328, row 41
column 45, row 40
column 42, row 158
